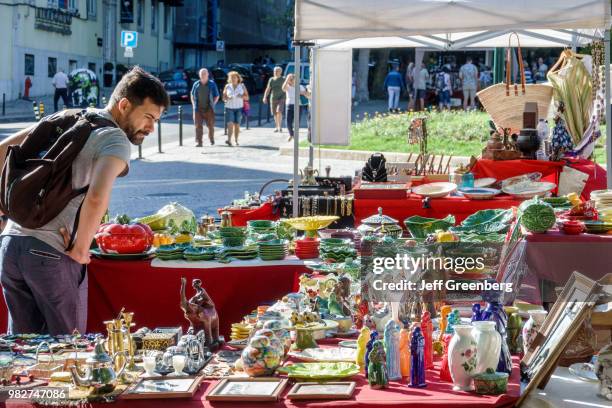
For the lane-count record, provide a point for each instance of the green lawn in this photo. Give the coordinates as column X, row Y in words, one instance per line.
column 455, row 133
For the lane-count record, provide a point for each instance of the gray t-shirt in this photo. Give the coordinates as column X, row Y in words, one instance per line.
column 102, row 142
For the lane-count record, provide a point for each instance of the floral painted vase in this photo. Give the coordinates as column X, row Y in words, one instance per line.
column 488, row 344
column 281, row 332
column 274, row 341
column 603, row 370
column 259, row 358
column 462, row 357
column 532, row 326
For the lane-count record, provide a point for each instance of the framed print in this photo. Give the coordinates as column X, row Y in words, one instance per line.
column 247, row 389
column 326, row 390
column 163, row 387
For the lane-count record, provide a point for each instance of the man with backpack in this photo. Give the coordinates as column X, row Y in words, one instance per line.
column 444, row 88
column 55, row 205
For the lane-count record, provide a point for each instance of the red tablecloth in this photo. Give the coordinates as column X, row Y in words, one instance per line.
column 400, row 209
column 153, row 293
column 241, row 216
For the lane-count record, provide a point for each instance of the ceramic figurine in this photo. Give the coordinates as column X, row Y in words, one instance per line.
column 333, row 306
column 513, row 330
column 201, row 313
column 404, row 342
column 392, row 350
column 476, row 312
column 377, row 370
column 258, row 358
column 453, row 319
column 275, row 342
column 369, row 322
column 362, row 342
column 495, row 312
column 444, row 312
column 444, row 368
column 417, row 359
column 427, row 331
column 488, row 344
column 342, row 290
column 373, row 338
column 281, row 332
column 531, row 327
column 603, row 370
column 462, row 358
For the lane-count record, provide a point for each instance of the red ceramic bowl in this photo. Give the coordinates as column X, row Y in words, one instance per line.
column 572, row 227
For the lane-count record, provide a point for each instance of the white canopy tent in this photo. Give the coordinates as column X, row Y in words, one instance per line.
column 450, row 25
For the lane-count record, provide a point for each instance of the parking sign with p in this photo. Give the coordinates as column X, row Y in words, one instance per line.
column 129, row 39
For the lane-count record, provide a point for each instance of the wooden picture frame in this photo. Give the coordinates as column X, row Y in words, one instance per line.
column 261, row 389
column 322, row 391
column 561, row 325
column 161, row 387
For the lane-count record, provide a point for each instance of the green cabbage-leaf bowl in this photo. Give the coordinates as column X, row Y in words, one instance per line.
column 320, row 371
column 420, row 227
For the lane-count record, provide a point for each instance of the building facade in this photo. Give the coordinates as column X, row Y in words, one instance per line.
column 43, row 36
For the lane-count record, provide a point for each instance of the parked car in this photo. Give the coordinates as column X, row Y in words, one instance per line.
column 219, row 75
column 247, row 77
column 304, row 71
column 178, row 83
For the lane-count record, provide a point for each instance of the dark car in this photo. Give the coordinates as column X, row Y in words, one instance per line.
column 219, row 75
column 178, row 83
column 247, row 77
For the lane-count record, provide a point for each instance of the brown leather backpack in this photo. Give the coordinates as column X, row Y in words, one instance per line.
column 36, row 180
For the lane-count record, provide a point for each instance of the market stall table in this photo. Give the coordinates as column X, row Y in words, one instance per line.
column 150, row 289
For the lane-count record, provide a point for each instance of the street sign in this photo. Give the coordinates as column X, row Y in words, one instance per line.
column 128, row 53
column 220, row 46
column 129, row 39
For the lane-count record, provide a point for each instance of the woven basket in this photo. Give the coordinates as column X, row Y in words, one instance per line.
column 506, row 105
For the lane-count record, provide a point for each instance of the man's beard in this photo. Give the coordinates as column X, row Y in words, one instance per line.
column 136, row 137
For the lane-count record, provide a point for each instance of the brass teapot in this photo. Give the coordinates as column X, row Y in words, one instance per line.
column 99, row 372
column 308, row 176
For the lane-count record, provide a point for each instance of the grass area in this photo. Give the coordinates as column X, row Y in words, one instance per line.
column 455, row 133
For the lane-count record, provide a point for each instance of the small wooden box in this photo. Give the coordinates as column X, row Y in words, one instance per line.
column 158, row 341
column 530, row 115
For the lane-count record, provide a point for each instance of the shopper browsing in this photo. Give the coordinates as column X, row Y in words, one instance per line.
column 274, row 90
column 469, row 79
column 44, row 278
column 394, row 83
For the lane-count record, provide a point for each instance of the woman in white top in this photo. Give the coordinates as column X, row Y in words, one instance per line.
column 234, row 95
column 289, row 88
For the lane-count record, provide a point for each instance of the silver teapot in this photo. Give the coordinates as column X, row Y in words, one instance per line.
column 99, row 372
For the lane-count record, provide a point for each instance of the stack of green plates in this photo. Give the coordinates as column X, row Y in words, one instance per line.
column 273, row 250
column 597, row 227
column 170, row 252
column 232, row 236
column 241, row 252
column 261, row 227
column 199, row 253
column 337, row 249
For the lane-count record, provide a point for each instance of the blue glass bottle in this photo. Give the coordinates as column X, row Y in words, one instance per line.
column 373, row 338
column 467, row 180
column 495, row 312
column 417, row 359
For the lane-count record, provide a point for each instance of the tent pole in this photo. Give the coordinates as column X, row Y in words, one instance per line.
column 296, row 130
column 313, row 61
column 608, row 109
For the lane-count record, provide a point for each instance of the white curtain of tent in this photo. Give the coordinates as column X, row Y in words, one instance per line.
column 350, row 19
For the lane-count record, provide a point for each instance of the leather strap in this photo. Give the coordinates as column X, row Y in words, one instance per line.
column 509, row 65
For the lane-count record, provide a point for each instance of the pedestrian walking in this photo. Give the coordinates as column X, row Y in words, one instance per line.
column 420, row 86
column 234, row 95
column 60, row 83
column 410, row 84
column 394, row 84
column 289, row 89
column 204, row 97
column 43, row 269
column 469, row 80
column 274, row 90
column 444, row 88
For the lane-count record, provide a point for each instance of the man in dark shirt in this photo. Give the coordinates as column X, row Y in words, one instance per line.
column 204, row 96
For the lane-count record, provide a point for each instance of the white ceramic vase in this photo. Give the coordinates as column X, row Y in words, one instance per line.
column 462, row 358
column 488, row 344
column 531, row 327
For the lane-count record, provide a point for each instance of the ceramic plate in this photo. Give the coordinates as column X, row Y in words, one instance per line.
column 529, row 189
column 352, row 344
column 435, row 190
column 122, row 257
column 484, row 182
column 479, row 193
column 584, row 371
column 332, row 354
column 320, row 371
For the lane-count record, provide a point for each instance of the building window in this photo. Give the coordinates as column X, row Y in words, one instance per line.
column 140, row 15
column 92, row 67
column 92, row 8
column 167, row 19
column 72, row 65
column 153, row 16
column 29, row 64
column 51, row 67
column 127, row 11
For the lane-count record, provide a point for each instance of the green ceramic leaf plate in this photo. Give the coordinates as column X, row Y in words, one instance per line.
column 122, row 257
column 320, row 371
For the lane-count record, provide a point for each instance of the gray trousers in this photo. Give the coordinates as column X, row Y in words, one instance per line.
column 45, row 290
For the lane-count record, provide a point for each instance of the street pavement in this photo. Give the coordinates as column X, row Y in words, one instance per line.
column 202, row 178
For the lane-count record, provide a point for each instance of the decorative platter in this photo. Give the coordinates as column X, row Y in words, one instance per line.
column 479, row 193
column 435, row 190
column 484, row 182
column 332, row 354
column 529, row 189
